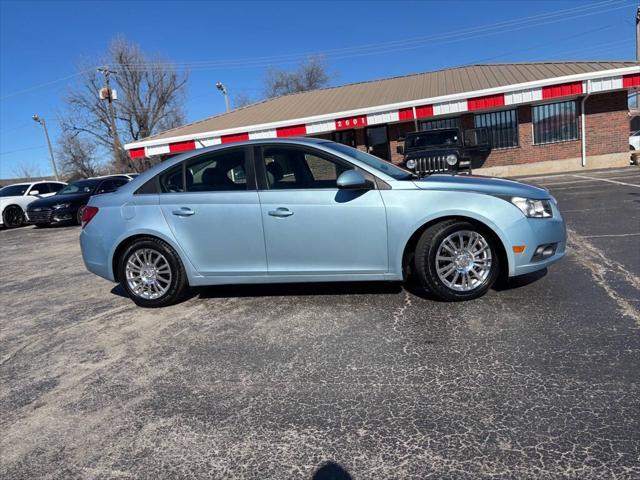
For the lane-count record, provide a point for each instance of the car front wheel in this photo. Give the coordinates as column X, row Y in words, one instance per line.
column 152, row 273
column 13, row 217
column 455, row 260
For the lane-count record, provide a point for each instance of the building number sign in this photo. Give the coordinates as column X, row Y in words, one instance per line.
column 351, row 122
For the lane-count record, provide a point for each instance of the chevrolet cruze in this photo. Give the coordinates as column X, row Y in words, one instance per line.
column 310, row 210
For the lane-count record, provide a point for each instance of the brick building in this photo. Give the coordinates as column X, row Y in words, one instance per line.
column 541, row 117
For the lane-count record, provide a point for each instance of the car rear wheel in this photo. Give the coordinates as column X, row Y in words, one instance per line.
column 13, row 217
column 455, row 260
column 152, row 273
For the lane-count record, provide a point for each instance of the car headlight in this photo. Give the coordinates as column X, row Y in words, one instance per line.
column 59, row 206
column 411, row 164
column 533, row 208
column 451, row 159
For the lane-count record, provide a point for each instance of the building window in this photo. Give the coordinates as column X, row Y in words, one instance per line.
column 502, row 127
column 441, row 123
column 555, row 122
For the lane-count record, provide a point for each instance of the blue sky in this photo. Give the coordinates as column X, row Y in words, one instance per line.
column 43, row 42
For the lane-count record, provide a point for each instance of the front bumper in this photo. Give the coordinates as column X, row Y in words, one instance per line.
column 49, row 216
column 532, row 233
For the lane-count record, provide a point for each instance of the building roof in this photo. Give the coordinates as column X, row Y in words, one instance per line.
column 390, row 91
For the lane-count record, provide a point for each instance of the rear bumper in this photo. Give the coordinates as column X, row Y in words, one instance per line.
column 94, row 254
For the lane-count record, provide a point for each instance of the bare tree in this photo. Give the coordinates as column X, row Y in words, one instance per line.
column 76, row 156
column 309, row 75
column 150, row 100
column 27, row 170
column 242, row 100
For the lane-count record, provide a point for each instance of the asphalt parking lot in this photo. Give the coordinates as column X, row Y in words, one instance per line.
column 538, row 380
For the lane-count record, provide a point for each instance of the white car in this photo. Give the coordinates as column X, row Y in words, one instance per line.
column 15, row 198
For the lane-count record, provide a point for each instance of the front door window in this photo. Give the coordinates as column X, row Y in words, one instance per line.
column 378, row 142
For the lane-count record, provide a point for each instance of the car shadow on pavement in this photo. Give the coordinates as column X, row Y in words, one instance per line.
column 412, row 286
column 520, row 281
column 298, row 289
column 284, row 289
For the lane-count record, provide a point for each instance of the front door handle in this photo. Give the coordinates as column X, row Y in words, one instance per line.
column 183, row 212
column 280, row 212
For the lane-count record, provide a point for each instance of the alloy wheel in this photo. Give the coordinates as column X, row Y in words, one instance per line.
column 148, row 273
column 463, row 260
column 13, row 217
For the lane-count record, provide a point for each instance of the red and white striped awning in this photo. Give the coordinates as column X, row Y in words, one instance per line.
column 568, row 86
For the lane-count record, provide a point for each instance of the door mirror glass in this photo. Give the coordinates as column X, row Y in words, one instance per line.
column 34, row 192
column 352, row 180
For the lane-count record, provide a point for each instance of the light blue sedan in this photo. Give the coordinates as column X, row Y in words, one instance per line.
column 310, row 210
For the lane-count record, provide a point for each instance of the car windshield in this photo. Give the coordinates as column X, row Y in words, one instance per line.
column 387, row 168
column 81, row 186
column 13, row 190
column 432, row 138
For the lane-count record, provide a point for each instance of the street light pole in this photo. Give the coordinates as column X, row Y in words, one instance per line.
column 223, row 89
column 41, row 121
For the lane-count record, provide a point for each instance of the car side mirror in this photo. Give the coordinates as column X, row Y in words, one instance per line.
column 400, row 149
column 352, row 180
column 34, row 192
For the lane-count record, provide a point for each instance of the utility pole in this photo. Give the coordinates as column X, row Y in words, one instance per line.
column 38, row 119
column 223, row 89
column 117, row 146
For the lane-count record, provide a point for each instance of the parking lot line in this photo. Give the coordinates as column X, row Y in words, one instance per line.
column 607, row 180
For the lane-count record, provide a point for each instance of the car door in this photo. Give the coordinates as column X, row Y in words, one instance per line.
column 313, row 228
column 211, row 205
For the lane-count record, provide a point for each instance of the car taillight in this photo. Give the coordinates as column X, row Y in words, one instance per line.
column 88, row 213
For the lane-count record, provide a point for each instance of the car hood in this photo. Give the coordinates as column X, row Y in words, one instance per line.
column 479, row 184
column 54, row 199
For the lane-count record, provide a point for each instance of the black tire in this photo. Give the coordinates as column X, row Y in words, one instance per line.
column 178, row 283
column 426, row 263
column 13, row 217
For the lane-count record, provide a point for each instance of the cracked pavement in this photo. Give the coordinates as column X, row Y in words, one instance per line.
column 539, row 380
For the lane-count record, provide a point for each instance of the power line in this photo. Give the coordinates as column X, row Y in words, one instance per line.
column 405, row 44
column 22, row 150
column 375, row 48
column 46, row 84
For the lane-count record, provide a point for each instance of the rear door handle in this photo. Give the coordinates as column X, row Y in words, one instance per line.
column 183, row 212
column 280, row 212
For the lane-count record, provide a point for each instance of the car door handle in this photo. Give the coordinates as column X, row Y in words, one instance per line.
column 183, row 212
column 280, row 212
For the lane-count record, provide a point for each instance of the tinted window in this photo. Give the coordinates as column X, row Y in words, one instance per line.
column 40, row 188
column 374, row 162
column 81, row 186
column 223, row 171
column 555, row 122
column 111, row 185
column 171, row 181
column 296, row 168
column 440, row 123
column 13, row 190
column 501, row 126
column 55, row 187
column 433, row 138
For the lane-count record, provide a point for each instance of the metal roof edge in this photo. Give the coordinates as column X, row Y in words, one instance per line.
column 388, row 107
